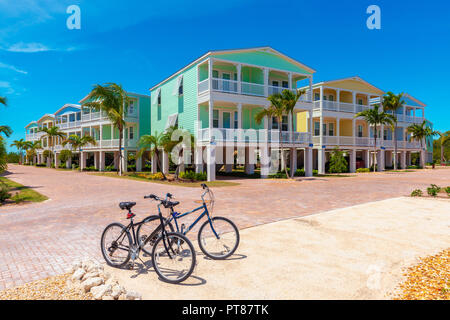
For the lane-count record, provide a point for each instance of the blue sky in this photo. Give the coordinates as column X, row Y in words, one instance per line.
column 43, row 65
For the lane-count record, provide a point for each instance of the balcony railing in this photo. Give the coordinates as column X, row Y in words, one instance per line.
column 340, row 106
column 364, row 142
column 114, row 143
column 253, row 135
column 245, row 88
column 68, row 125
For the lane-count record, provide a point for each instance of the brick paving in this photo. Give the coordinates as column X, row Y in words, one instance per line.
column 42, row 239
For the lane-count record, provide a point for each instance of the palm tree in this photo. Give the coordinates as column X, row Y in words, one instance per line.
column 444, row 139
column 78, row 142
column 374, row 117
column 113, row 100
column 20, row 146
column 52, row 133
column 419, row 132
column 290, row 99
column 393, row 102
column 153, row 143
column 7, row 131
column 34, row 145
column 276, row 109
column 169, row 144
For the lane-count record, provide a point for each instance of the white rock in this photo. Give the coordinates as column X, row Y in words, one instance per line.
column 122, row 296
column 92, row 274
column 91, row 282
column 117, row 291
column 112, row 281
column 107, row 298
column 106, row 275
column 78, row 274
column 132, row 295
column 99, row 291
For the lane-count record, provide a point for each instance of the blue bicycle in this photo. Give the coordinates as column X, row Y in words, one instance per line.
column 218, row 237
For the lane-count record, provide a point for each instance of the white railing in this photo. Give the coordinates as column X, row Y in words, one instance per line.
column 246, row 88
column 114, row 143
column 252, row 135
column 340, row 106
column 70, row 124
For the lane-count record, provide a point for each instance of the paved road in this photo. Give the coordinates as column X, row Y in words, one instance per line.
column 39, row 240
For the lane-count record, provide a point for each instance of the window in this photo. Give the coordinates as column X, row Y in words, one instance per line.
column 159, row 98
column 324, row 97
column 331, row 98
column 317, row 128
column 284, row 124
column 72, row 117
column 316, row 96
column 324, row 129
column 131, row 133
column 274, row 123
column 385, row 134
column 78, row 116
column 215, row 118
column 180, row 88
column 360, row 101
column 215, row 74
column 131, row 107
column 360, row 131
column 275, row 83
column 331, row 129
column 285, row 84
column 236, row 122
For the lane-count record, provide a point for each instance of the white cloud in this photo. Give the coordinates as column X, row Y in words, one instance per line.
column 6, row 85
column 27, row 47
column 11, row 67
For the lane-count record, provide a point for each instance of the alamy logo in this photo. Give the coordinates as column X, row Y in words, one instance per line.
column 374, row 20
column 74, row 20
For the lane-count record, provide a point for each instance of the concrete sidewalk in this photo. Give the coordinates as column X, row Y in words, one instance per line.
column 352, row 253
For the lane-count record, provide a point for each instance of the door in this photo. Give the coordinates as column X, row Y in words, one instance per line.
column 226, row 118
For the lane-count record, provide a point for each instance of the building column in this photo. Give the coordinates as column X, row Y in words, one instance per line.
column 352, row 161
column 338, row 130
column 116, row 160
column 57, row 160
column 321, row 160
column 389, row 156
column 211, row 162
column 138, row 163
column 83, row 160
column 124, row 160
column 308, row 162
column 250, row 160
column 265, row 160
column 408, row 158
column 96, row 161
column 198, row 159
column 380, row 160
column 154, row 162
column 367, row 158
column 229, row 158
column 102, row 160
column 293, row 161
column 403, row 159
column 165, row 162
column 69, row 163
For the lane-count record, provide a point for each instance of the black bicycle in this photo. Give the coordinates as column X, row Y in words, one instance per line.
column 218, row 237
column 173, row 255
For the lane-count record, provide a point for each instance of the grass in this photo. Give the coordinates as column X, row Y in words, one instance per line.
column 172, row 183
column 24, row 193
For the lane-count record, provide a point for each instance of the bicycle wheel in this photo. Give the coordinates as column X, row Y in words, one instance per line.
column 175, row 264
column 221, row 242
column 148, row 232
column 116, row 244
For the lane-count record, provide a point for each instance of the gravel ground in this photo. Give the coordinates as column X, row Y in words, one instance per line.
column 52, row 288
column 428, row 280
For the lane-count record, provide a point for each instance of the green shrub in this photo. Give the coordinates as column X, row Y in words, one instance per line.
column 413, row 167
column 433, row 190
column 52, row 165
column 65, row 155
column 416, row 193
column 62, row 166
column 337, row 163
column 192, row 175
column 110, row 168
column 131, row 167
column 4, row 192
column 299, row 173
column 359, row 170
column 156, row 176
column 90, row 168
column 447, row 189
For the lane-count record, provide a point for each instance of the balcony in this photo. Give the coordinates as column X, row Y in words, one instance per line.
column 253, row 136
column 245, row 88
column 114, row 143
column 340, row 106
column 364, row 142
column 69, row 125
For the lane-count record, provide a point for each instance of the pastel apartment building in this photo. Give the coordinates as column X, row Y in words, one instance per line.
column 74, row 119
column 216, row 98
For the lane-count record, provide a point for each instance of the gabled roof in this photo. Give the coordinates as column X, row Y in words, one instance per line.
column 46, row 115
column 354, row 78
column 407, row 95
column 32, row 122
column 68, row 105
column 218, row 52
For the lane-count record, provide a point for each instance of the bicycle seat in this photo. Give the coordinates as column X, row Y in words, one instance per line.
column 170, row 204
column 126, row 205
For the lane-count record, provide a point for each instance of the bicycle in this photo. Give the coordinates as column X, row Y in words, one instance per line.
column 173, row 255
column 218, row 237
